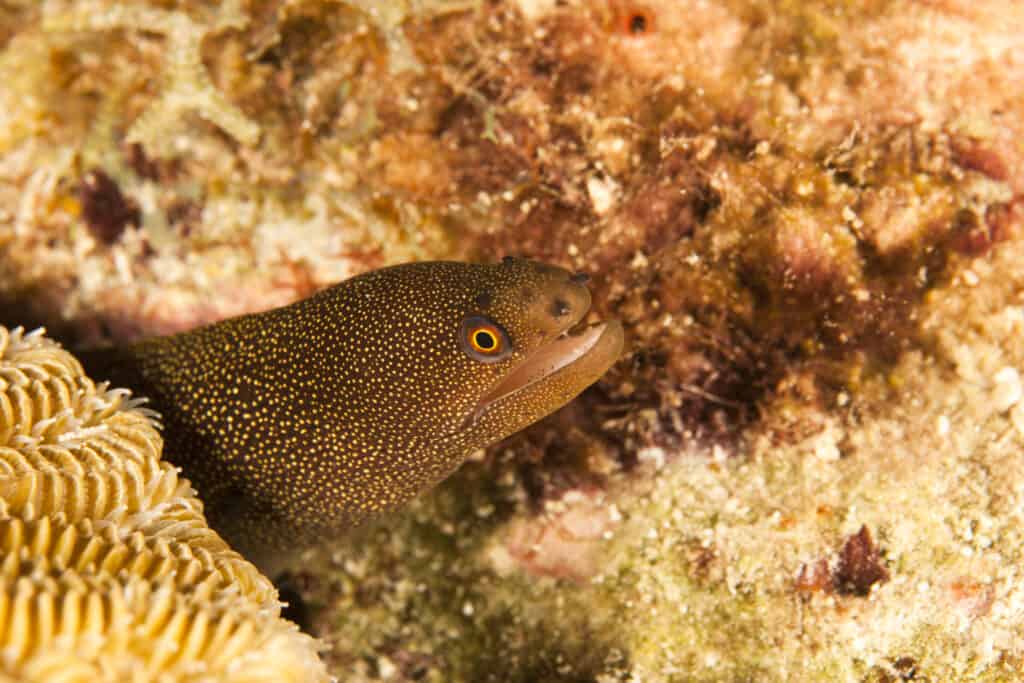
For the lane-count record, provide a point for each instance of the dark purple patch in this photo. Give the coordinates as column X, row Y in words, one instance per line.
column 860, row 565
column 106, row 210
column 139, row 162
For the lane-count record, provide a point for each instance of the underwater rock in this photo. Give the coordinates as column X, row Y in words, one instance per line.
column 808, row 215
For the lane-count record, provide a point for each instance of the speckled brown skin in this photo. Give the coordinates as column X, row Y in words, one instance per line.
column 297, row 423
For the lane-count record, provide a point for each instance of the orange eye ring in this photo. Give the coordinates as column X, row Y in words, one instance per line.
column 484, row 340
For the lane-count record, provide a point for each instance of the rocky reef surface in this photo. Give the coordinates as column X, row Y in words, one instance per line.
column 807, row 214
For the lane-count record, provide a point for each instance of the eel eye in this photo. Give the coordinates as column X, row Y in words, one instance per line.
column 484, row 340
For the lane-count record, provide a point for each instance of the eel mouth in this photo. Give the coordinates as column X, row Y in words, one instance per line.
column 580, row 353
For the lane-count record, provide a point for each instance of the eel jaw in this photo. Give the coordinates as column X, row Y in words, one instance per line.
column 567, row 365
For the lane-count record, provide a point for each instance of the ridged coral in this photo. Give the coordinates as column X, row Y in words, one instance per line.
column 108, row 571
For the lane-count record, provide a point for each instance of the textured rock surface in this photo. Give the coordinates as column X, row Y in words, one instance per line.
column 109, row 572
column 807, row 213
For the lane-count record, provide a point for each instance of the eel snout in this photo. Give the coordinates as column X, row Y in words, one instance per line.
column 583, row 350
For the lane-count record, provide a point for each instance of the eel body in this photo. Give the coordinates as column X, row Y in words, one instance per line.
column 297, row 423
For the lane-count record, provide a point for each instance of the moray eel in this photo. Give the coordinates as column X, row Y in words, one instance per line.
column 297, row 423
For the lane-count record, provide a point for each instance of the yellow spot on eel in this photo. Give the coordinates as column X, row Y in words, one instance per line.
column 297, row 423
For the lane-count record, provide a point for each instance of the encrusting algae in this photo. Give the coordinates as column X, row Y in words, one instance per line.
column 109, row 571
column 807, row 214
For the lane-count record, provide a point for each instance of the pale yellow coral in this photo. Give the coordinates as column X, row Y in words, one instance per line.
column 108, row 571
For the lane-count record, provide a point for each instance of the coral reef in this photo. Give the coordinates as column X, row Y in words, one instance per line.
column 158, row 101
column 109, row 572
column 763, row 188
column 186, row 86
column 807, row 213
